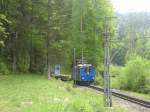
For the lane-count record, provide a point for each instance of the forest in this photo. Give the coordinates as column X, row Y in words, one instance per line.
column 131, row 61
column 36, row 35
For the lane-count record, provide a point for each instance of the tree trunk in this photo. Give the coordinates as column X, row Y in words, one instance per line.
column 14, row 53
column 48, row 36
column 31, row 46
column 49, row 72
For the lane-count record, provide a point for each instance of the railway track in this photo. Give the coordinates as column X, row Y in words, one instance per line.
column 116, row 93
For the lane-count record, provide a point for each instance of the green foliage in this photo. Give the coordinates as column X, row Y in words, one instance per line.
column 98, row 80
column 119, row 55
column 3, row 34
column 134, row 76
column 116, row 70
column 132, row 34
column 118, row 79
column 3, row 69
column 85, row 14
column 34, row 93
column 23, row 64
column 137, row 74
column 41, row 34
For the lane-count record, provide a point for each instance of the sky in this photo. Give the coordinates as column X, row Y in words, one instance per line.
column 123, row 6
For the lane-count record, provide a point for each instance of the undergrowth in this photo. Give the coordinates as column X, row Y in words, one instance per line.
column 34, row 93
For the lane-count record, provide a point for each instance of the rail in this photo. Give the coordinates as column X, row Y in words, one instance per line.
column 116, row 93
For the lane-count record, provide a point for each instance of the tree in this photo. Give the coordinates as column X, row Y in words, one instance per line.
column 3, row 32
column 44, row 32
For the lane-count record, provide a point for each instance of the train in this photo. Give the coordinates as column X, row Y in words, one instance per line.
column 83, row 74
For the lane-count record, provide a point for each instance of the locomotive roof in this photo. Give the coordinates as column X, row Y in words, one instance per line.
column 84, row 65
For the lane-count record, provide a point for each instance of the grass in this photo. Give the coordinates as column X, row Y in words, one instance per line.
column 142, row 95
column 34, row 93
column 115, row 84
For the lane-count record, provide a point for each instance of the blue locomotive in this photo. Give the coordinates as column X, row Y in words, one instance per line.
column 83, row 74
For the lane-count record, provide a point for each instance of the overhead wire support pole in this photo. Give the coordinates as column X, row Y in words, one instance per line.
column 107, row 92
column 107, row 83
column 74, row 67
column 81, row 25
column 82, row 56
column 48, row 36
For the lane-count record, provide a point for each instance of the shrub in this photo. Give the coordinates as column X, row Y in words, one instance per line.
column 3, row 69
column 115, row 70
column 98, row 80
column 137, row 73
column 23, row 64
column 134, row 76
column 117, row 79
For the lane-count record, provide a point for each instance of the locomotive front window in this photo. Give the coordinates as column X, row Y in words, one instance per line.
column 87, row 70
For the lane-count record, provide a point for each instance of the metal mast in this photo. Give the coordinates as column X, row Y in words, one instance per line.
column 81, row 23
column 107, row 87
column 74, row 67
column 48, row 36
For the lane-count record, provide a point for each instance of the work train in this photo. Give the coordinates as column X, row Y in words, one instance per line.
column 83, row 74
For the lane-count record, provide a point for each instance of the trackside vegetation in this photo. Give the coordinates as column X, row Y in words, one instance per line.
column 34, row 93
column 37, row 34
column 134, row 76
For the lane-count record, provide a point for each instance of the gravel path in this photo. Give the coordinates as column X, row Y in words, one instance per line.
column 130, row 107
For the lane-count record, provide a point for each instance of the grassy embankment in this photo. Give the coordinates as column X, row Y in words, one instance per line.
column 34, row 93
column 132, row 79
column 129, row 92
column 140, row 95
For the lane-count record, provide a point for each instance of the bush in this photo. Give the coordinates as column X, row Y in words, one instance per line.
column 117, row 79
column 3, row 69
column 23, row 64
column 98, row 80
column 135, row 76
column 137, row 73
column 115, row 71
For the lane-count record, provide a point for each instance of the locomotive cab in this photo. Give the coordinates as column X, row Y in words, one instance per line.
column 85, row 74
